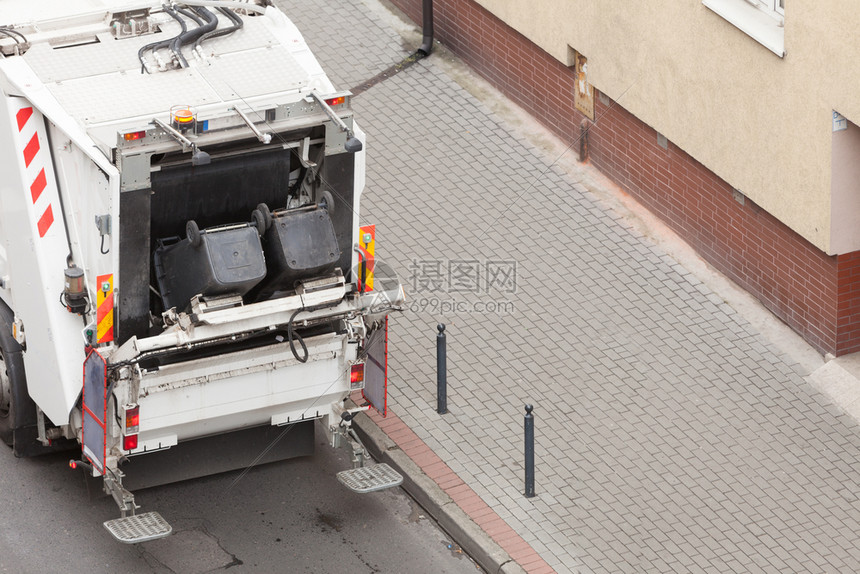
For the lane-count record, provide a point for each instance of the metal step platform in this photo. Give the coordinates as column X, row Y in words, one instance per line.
column 370, row 478
column 139, row 528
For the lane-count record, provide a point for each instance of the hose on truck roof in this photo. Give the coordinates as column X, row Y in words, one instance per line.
column 14, row 34
column 176, row 42
column 237, row 23
column 200, row 30
column 203, row 31
column 163, row 43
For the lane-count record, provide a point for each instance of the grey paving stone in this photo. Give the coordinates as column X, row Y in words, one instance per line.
column 678, row 428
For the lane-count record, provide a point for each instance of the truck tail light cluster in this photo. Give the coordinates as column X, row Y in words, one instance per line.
column 131, row 427
column 132, row 136
column 129, row 442
column 356, row 376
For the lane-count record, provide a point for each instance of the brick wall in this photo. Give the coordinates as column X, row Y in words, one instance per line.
column 817, row 295
column 848, row 305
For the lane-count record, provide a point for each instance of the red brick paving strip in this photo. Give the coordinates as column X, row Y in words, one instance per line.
column 461, row 493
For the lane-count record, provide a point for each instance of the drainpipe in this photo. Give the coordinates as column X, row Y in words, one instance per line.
column 583, row 139
column 427, row 45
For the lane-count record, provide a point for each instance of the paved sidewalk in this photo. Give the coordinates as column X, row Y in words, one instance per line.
column 672, row 435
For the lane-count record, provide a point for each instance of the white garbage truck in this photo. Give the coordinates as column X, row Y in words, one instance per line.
column 184, row 280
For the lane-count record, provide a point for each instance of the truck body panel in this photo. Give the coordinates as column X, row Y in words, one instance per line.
column 34, row 235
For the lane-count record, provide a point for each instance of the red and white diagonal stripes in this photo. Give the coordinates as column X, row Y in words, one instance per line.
column 34, row 162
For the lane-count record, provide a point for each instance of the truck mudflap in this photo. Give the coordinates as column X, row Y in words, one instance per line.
column 376, row 369
column 94, row 432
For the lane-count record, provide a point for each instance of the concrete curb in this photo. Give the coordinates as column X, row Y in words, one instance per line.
column 450, row 517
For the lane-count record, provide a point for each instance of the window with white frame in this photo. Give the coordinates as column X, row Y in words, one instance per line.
column 777, row 7
column 762, row 20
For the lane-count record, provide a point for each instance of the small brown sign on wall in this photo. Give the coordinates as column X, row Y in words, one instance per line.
column 583, row 93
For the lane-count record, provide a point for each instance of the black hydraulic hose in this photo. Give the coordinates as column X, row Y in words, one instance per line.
column 237, row 21
column 8, row 35
column 190, row 14
column 427, row 43
column 211, row 23
column 163, row 43
column 14, row 34
column 176, row 43
column 237, row 24
column 293, row 336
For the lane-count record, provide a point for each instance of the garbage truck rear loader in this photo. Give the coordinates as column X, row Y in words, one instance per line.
column 182, row 264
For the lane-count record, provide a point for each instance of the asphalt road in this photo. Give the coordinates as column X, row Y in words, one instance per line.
column 290, row 516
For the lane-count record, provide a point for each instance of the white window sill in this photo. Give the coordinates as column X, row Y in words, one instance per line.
column 756, row 23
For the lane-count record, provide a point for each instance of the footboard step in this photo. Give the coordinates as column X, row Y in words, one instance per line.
column 139, row 528
column 370, row 478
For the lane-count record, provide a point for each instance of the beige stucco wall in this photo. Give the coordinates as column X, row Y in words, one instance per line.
column 761, row 122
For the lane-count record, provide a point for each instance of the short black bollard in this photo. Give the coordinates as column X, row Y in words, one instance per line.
column 529, row 428
column 441, row 372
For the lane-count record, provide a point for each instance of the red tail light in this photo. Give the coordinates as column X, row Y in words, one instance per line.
column 131, row 136
column 129, row 442
column 132, row 419
column 356, row 373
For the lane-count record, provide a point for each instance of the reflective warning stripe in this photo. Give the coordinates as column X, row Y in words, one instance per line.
column 31, row 149
column 367, row 246
column 45, row 221
column 104, row 309
column 32, row 156
column 22, row 116
column 38, row 185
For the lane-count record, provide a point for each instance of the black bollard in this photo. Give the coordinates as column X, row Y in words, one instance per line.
column 441, row 372
column 529, row 428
